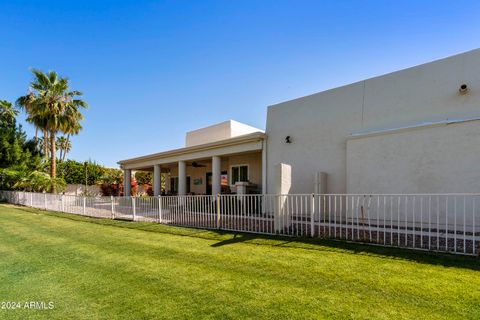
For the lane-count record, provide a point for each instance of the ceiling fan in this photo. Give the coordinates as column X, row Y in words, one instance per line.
column 197, row 165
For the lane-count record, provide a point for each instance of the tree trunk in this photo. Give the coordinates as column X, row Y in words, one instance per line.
column 60, row 147
column 66, row 145
column 53, row 161
column 45, row 144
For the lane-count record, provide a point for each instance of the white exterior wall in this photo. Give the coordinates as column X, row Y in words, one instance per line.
column 320, row 124
column 254, row 162
column 217, row 132
column 441, row 159
column 78, row 189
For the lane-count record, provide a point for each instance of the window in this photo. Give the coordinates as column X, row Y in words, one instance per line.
column 173, row 184
column 239, row 173
column 225, row 187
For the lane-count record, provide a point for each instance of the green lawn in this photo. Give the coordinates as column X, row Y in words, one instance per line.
column 103, row 269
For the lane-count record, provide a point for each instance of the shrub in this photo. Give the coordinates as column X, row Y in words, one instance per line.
column 133, row 187
column 36, row 181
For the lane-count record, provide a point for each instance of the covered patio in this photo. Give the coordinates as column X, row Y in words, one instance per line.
column 228, row 166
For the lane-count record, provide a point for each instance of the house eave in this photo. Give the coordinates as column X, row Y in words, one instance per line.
column 244, row 139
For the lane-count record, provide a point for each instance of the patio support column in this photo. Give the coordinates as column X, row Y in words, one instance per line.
column 216, row 175
column 127, row 176
column 182, row 178
column 157, row 180
column 264, row 166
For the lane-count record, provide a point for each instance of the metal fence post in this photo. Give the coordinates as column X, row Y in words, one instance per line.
column 84, row 205
column 312, row 215
column 218, row 211
column 112, row 207
column 134, row 209
column 159, row 209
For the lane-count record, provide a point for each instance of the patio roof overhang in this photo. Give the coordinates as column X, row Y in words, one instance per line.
column 241, row 144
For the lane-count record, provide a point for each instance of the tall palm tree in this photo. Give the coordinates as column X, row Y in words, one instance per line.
column 53, row 108
column 7, row 112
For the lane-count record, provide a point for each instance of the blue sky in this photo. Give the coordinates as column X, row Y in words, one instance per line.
column 152, row 70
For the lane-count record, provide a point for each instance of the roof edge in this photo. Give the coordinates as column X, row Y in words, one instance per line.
column 456, row 55
column 255, row 136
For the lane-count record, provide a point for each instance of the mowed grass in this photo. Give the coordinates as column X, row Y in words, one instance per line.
column 103, row 269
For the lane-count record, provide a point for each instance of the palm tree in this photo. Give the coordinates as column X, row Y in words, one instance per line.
column 7, row 112
column 40, row 142
column 37, row 181
column 71, row 125
column 64, row 145
column 60, row 145
column 66, row 148
column 52, row 108
column 27, row 103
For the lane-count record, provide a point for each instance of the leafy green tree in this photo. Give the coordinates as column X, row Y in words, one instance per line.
column 94, row 172
column 15, row 149
column 144, row 177
column 73, row 172
column 17, row 154
column 112, row 176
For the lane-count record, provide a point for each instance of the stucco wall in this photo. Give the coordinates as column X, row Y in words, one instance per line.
column 79, row 189
column 254, row 162
column 320, row 124
column 220, row 131
column 430, row 160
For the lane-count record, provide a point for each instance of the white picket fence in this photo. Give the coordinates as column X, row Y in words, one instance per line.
column 436, row 222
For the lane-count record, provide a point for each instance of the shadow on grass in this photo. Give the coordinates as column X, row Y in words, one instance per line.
column 419, row 256
column 224, row 238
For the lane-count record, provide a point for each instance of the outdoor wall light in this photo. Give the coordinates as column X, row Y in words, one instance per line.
column 463, row 88
column 288, row 139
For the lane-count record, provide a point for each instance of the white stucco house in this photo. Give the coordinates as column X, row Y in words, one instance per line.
column 411, row 131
